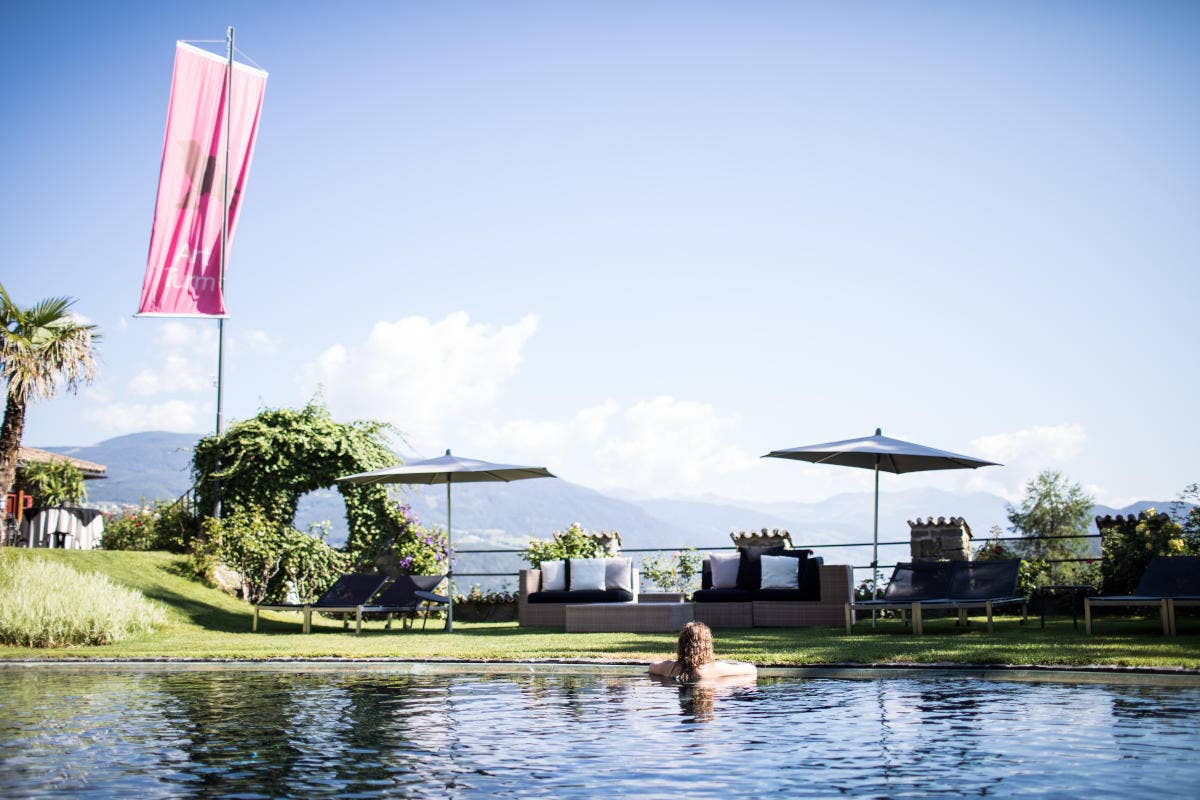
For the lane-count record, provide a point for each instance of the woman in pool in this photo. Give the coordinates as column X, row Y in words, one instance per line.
column 694, row 659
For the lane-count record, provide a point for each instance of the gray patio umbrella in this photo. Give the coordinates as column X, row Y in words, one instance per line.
column 448, row 469
column 878, row 452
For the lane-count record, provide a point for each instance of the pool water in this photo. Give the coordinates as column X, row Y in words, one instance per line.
column 149, row 732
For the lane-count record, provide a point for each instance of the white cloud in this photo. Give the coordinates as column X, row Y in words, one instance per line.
column 181, row 416
column 1023, row 453
column 545, row 442
column 182, row 361
column 420, row 374
column 674, row 445
column 257, row 341
column 661, row 446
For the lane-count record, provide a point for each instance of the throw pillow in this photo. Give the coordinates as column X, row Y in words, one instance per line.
column 749, row 574
column 778, row 572
column 554, row 576
column 724, row 569
column 618, row 574
column 587, row 574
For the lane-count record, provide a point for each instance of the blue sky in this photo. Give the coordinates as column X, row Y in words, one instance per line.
column 644, row 243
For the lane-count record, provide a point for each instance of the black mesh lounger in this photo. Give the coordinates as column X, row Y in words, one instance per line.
column 983, row 585
column 347, row 596
column 911, row 584
column 406, row 595
column 1168, row 581
column 958, row 585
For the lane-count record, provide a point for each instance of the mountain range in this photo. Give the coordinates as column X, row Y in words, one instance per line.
column 156, row 465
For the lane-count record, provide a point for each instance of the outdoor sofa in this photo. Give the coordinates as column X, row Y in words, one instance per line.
column 961, row 586
column 1168, row 582
column 814, row 598
column 543, row 594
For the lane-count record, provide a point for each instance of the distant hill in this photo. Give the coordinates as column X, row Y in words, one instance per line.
column 153, row 465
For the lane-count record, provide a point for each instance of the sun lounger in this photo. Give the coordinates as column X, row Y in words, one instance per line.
column 910, row 585
column 406, row 596
column 956, row 585
column 347, row 596
column 983, row 585
column 1168, row 582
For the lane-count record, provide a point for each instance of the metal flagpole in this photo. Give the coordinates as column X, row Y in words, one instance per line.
column 224, row 248
column 449, row 558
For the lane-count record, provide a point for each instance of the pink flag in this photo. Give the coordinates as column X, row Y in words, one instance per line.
column 183, row 269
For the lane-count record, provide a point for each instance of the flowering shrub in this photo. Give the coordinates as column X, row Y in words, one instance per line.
column 1129, row 546
column 159, row 525
column 674, row 573
column 416, row 550
column 574, row 542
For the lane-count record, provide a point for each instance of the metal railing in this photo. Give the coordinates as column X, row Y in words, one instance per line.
column 816, row 548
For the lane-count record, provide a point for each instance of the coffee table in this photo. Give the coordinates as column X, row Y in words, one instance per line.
column 627, row 617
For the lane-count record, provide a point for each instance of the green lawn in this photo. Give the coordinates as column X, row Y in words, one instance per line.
column 205, row 623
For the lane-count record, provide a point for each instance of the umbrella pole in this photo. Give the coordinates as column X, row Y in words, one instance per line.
column 449, row 562
column 875, row 546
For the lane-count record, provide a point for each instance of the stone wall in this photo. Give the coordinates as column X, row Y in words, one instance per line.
column 941, row 538
column 763, row 538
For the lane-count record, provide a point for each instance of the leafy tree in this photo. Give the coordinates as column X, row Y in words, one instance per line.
column 55, row 483
column 1053, row 507
column 40, row 347
column 270, row 557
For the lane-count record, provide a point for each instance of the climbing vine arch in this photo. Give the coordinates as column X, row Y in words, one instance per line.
column 273, row 459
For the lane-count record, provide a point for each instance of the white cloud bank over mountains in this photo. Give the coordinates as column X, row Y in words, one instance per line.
column 418, row 374
column 439, row 381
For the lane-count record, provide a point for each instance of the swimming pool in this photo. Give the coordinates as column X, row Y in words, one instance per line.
column 427, row 731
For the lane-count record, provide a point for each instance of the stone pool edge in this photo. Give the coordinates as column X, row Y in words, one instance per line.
column 1024, row 673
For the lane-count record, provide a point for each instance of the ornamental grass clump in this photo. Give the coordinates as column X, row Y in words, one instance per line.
column 44, row 604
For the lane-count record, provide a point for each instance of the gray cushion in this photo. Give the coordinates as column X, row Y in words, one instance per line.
column 618, row 574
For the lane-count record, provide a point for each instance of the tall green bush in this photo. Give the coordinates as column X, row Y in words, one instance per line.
column 1130, row 545
column 45, row 604
column 273, row 459
column 271, row 558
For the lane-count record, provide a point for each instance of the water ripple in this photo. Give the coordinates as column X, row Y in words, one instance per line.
column 261, row 734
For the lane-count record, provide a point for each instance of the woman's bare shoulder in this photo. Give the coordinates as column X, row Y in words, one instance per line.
column 722, row 669
column 662, row 667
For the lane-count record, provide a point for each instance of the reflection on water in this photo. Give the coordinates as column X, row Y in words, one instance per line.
column 126, row 732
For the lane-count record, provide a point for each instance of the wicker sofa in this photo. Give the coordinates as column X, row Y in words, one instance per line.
column 819, row 599
column 541, row 608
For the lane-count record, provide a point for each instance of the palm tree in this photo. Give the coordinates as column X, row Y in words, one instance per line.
column 40, row 347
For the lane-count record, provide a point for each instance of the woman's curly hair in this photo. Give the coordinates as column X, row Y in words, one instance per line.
column 695, row 648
